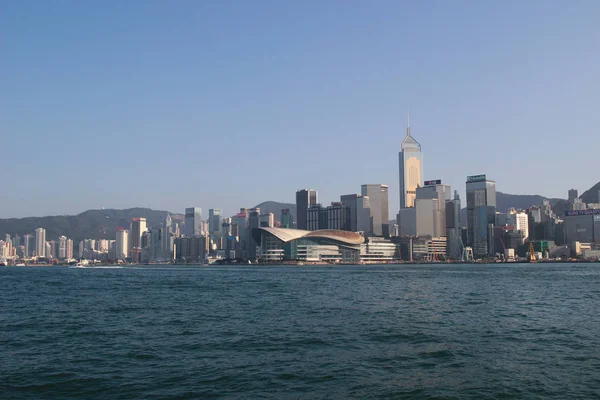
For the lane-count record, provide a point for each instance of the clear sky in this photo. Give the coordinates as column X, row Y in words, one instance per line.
column 224, row 104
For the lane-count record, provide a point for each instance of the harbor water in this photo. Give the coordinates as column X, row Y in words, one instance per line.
column 403, row 331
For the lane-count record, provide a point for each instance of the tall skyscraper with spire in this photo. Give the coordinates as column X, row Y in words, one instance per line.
column 411, row 169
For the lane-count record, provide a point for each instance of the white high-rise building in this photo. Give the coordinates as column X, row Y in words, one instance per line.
column 121, row 244
column 62, row 247
column 69, row 253
column 519, row 220
column 410, row 162
column 102, row 245
column 40, row 242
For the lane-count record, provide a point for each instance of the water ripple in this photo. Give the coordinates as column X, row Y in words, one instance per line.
column 431, row 332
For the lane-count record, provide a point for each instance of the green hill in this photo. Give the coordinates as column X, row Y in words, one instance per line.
column 91, row 224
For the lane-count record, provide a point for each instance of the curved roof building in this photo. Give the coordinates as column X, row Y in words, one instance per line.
column 326, row 245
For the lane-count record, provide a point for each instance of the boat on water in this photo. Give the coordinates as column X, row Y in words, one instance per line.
column 3, row 262
column 82, row 264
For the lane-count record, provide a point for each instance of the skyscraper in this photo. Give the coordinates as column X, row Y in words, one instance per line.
column 62, row 247
column 338, row 216
column 214, row 221
column 40, row 242
column 481, row 214
column 69, row 252
column 378, row 201
column 360, row 213
column 193, row 222
column 138, row 227
column 304, row 199
column 453, row 230
column 411, row 169
column 573, row 194
column 253, row 222
column 433, row 190
column 122, row 247
column 167, row 238
column 29, row 243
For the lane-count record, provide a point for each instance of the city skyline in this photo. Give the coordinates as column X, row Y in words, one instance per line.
column 200, row 92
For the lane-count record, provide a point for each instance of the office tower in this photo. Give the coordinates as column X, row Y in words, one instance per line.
column 167, row 238
column 287, row 219
column 378, row 201
column 267, row 220
column 214, row 220
column 48, row 251
column 411, row 169
column 138, row 227
column 69, row 252
column 425, row 217
column 316, row 217
column 573, row 194
column 122, row 245
column 193, row 222
column 433, row 218
column 227, row 237
column 338, row 216
column 40, row 242
column 363, row 214
column 253, row 223
column 582, row 226
column 481, row 214
column 453, row 229
column 501, row 219
column 305, row 198
column 29, row 243
column 241, row 221
column 519, row 221
column 360, row 213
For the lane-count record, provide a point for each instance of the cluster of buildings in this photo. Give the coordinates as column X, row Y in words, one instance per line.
column 430, row 225
column 34, row 246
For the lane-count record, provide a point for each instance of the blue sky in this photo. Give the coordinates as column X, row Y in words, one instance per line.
column 224, row 104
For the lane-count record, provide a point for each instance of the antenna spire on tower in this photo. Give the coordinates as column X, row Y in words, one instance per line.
column 408, row 123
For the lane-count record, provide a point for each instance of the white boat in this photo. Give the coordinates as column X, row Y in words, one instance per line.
column 3, row 262
column 82, row 264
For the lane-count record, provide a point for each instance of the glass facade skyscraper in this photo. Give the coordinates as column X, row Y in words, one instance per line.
column 378, row 201
column 193, row 221
column 304, row 199
column 481, row 214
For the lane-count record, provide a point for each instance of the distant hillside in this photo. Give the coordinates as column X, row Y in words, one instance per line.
column 91, row 224
column 275, row 208
column 505, row 201
column 591, row 195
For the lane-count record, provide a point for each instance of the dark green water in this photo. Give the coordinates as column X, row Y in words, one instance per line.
column 301, row 332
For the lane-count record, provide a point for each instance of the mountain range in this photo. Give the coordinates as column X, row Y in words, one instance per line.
column 101, row 224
